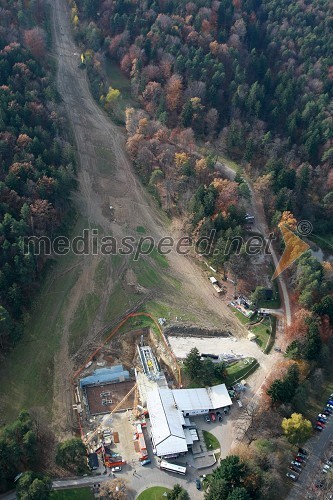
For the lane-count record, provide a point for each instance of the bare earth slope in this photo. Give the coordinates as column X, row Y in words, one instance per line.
column 93, row 132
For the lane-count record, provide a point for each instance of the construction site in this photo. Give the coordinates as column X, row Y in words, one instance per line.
column 131, row 407
column 110, row 396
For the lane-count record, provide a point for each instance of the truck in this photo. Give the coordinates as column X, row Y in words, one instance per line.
column 216, row 284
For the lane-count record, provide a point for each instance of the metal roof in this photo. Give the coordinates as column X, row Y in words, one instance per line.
column 105, row 375
column 192, row 399
column 219, row 396
column 166, row 423
column 210, row 398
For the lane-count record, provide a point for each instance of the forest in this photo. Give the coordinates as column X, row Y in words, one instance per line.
column 37, row 163
column 248, row 79
column 252, row 77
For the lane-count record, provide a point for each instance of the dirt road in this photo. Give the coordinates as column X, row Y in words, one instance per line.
column 132, row 207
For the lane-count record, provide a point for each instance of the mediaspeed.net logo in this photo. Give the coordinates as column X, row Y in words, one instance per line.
column 294, row 245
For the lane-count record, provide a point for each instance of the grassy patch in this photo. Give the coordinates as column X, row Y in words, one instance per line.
column 140, row 322
column 26, row 373
column 243, row 319
column 140, row 230
column 159, row 258
column 119, row 81
column 154, row 493
column 83, row 318
column 72, row 494
column 101, row 273
column 106, row 160
column 146, row 274
column 119, row 301
column 230, row 163
column 263, row 332
column 162, row 310
column 241, row 369
column 211, row 441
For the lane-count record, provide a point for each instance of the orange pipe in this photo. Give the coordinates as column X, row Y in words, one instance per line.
column 115, row 330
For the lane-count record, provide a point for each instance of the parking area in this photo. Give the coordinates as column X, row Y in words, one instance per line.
column 315, row 479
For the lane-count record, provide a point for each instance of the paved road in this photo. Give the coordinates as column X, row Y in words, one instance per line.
column 317, row 447
column 261, row 226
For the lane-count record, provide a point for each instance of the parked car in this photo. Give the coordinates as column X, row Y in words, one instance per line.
column 325, row 469
column 116, row 469
column 293, row 477
column 321, row 420
column 326, row 412
column 198, row 484
column 317, row 428
column 299, row 459
column 212, row 417
column 302, row 455
column 302, row 450
column 207, row 418
column 296, row 464
column 321, row 415
column 320, row 424
column 146, row 462
column 219, row 416
column 291, row 467
column 240, row 404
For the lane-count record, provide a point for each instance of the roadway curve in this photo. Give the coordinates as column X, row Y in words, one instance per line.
column 261, row 227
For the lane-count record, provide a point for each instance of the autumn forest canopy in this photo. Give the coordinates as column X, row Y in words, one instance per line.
column 253, row 77
column 36, row 160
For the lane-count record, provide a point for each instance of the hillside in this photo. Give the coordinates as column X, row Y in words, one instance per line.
column 37, row 162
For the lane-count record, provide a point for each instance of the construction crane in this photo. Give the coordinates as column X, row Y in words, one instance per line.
column 96, row 431
column 136, row 411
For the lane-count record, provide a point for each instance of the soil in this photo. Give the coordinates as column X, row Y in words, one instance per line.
column 132, row 207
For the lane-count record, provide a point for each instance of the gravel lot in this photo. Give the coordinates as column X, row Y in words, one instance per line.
column 181, row 346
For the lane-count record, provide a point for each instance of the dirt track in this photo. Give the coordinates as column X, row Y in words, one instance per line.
column 97, row 190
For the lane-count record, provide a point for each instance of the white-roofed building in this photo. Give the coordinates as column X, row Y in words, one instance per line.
column 192, row 401
column 219, row 396
column 168, row 411
column 200, row 401
column 166, row 424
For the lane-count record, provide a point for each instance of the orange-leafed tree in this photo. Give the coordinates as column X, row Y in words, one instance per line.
column 228, row 194
column 298, row 329
column 174, row 93
column 288, row 219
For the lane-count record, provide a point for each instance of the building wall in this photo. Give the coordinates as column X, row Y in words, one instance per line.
column 191, row 413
